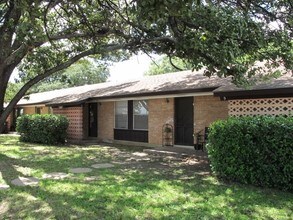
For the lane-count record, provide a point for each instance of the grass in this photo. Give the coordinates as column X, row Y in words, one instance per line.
column 135, row 188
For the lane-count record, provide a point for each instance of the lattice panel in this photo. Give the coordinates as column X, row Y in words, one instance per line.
column 269, row 106
column 75, row 116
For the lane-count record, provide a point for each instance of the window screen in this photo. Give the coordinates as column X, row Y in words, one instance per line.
column 140, row 115
column 121, row 118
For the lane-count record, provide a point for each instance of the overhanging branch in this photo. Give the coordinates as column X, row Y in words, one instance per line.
column 29, row 84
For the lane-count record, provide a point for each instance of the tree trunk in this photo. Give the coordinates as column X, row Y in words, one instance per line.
column 11, row 105
column 47, row 73
column 5, row 74
column 16, row 98
column 33, row 81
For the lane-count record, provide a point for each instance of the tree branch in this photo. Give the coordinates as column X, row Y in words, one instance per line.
column 9, row 25
column 6, row 17
column 172, row 64
column 38, row 78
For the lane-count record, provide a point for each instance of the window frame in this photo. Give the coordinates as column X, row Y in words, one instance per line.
column 115, row 111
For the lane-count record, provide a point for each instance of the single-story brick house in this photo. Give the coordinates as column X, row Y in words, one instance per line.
column 136, row 111
column 36, row 103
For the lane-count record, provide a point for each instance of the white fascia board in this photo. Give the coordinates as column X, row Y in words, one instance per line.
column 30, row 105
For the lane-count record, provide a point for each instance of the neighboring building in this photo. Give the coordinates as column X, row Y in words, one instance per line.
column 136, row 111
column 36, row 103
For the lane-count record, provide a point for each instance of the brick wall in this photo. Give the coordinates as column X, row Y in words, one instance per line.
column 160, row 113
column 75, row 116
column 28, row 110
column 106, row 121
column 207, row 109
column 45, row 110
column 32, row 110
column 9, row 121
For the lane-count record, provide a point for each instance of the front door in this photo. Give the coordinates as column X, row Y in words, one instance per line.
column 93, row 119
column 184, row 121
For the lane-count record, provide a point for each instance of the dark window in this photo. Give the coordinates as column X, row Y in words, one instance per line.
column 38, row 110
column 131, row 135
column 131, row 120
column 93, row 120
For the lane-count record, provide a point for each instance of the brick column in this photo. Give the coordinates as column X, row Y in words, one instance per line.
column 208, row 109
column 106, row 120
column 161, row 111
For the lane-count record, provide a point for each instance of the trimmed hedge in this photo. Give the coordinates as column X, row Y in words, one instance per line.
column 253, row 150
column 44, row 129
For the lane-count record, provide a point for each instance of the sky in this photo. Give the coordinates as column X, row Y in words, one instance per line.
column 134, row 68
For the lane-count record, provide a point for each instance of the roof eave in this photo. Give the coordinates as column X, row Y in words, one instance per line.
column 159, row 93
column 254, row 94
column 31, row 104
column 135, row 95
column 66, row 104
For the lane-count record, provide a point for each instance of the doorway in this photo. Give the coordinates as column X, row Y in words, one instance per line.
column 184, row 121
column 93, row 119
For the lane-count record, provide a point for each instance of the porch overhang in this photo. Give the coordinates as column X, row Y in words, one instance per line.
column 254, row 94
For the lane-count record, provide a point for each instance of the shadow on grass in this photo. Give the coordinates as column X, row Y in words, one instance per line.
column 157, row 190
column 8, row 140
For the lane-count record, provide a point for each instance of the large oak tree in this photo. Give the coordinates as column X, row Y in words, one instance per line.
column 42, row 37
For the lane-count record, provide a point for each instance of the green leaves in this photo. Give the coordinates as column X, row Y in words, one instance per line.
column 163, row 65
column 255, row 150
column 85, row 71
column 227, row 37
column 44, row 129
column 11, row 90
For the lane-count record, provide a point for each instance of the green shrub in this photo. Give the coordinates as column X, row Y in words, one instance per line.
column 44, row 129
column 253, row 150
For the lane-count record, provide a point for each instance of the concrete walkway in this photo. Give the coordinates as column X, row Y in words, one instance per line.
column 195, row 160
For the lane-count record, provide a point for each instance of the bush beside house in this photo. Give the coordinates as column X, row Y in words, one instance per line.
column 253, row 150
column 44, row 129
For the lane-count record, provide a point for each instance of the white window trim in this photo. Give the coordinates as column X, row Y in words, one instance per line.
column 137, row 129
column 115, row 115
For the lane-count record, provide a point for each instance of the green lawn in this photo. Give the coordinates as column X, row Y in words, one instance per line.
column 138, row 187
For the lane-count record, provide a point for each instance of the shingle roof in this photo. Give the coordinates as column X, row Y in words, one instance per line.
column 282, row 85
column 172, row 83
column 45, row 97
